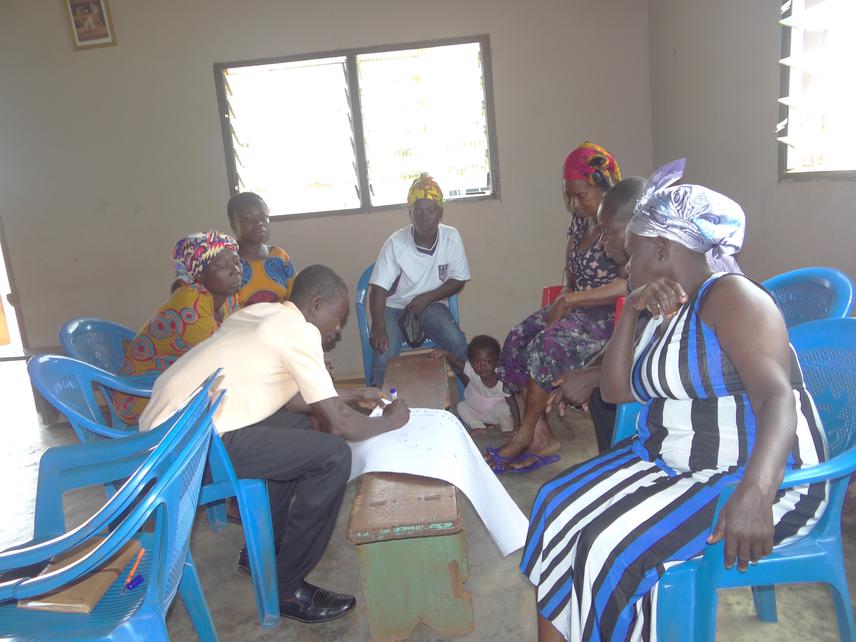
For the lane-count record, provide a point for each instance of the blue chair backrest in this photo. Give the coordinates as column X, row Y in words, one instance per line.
column 827, row 354
column 363, row 320
column 67, row 384
column 165, row 485
column 809, row 294
column 97, row 342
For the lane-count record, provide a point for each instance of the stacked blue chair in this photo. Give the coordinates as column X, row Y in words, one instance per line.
column 96, row 341
column 67, row 384
column 161, row 489
column 101, row 344
column 687, row 592
column 810, row 294
column 363, row 325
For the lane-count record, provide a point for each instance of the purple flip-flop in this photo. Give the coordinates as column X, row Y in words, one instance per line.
column 500, row 464
column 539, row 462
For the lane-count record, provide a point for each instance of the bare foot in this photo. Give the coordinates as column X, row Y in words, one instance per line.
column 511, row 448
column 543, row 441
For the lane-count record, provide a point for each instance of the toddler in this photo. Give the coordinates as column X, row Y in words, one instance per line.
column 484, row 400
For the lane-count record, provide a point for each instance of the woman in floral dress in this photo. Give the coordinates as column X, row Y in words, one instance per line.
column 565, row 335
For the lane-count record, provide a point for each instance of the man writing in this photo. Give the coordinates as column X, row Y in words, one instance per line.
column 272, row 356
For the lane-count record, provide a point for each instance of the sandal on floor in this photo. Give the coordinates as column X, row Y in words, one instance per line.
column 498, row 463
column 539, row 462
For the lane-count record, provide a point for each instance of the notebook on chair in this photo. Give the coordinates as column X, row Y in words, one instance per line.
column 83, row 595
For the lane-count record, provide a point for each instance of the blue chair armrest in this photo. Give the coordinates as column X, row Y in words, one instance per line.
column 70, row 467
column 136, row 385
column 102, row 430
column 835, row 468
column 143, row 383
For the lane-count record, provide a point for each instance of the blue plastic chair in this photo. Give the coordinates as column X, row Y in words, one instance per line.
column 96, row 341
column 67, row 385
column 810, row 294
column 101, row 344
column 363, row 325
column 687, row 592
column 161, row 491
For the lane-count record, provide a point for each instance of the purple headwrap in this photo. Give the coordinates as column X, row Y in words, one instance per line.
column 698, row 218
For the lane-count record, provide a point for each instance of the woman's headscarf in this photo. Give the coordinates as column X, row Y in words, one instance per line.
column 424, row 187
column 698, row 218
column 593, row 164
column 193, row 253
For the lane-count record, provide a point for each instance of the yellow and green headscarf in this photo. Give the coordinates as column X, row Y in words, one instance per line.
column 424, row 187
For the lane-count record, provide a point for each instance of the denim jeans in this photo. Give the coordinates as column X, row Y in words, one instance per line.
column 439, row 326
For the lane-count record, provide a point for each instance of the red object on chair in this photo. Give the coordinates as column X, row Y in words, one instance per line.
column 619, row 305
column 550, row 294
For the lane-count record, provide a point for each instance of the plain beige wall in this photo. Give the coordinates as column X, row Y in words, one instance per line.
column 107, row 156
column 715, row 83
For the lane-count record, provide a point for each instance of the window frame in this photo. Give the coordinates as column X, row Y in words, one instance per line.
column 356, row 114
column 784, row 90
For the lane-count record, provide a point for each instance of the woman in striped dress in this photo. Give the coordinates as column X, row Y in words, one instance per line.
column 723, row 400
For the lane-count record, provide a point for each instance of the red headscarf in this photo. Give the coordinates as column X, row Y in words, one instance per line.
column 593, row 164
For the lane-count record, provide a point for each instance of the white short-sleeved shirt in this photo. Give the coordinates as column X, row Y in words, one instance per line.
column 413, row 271
column 268, row 353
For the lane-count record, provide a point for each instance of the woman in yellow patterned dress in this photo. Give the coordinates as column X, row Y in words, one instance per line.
column 191, row 314
column 268, row 270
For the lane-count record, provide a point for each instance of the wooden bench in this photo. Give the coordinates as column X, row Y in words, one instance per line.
column 408, row 530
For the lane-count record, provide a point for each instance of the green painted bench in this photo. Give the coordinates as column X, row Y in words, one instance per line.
column 408, row 530
column 412, row 556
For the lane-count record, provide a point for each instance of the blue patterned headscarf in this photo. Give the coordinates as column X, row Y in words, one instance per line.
column 698, row 218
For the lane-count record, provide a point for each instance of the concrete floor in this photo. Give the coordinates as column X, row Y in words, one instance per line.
column 502, row 598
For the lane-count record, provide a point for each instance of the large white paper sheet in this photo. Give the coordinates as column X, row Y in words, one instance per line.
column 435, row 444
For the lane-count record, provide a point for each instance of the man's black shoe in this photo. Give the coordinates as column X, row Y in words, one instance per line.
column 244, row 562
column 311, row 604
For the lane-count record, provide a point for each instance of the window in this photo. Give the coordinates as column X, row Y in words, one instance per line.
column 350, row 131
column 816, row 129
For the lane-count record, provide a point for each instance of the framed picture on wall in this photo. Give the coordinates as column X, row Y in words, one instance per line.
column 90, row 23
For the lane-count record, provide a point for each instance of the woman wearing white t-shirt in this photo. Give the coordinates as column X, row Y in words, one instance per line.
column 418, row 267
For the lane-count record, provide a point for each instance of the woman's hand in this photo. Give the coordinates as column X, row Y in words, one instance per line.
column 559, row 309
column 746, row 523
column 379, row 340
column 662, row 297
column 575, row 387
column 437, row 353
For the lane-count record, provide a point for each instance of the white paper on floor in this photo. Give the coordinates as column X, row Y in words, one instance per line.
column 435, row 444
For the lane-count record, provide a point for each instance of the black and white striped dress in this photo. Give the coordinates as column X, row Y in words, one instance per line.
column 601, row 532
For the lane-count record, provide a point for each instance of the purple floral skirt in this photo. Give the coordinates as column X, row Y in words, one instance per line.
column 534, row 351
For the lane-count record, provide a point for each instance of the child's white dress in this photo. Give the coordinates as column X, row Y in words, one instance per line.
column 483, row 405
